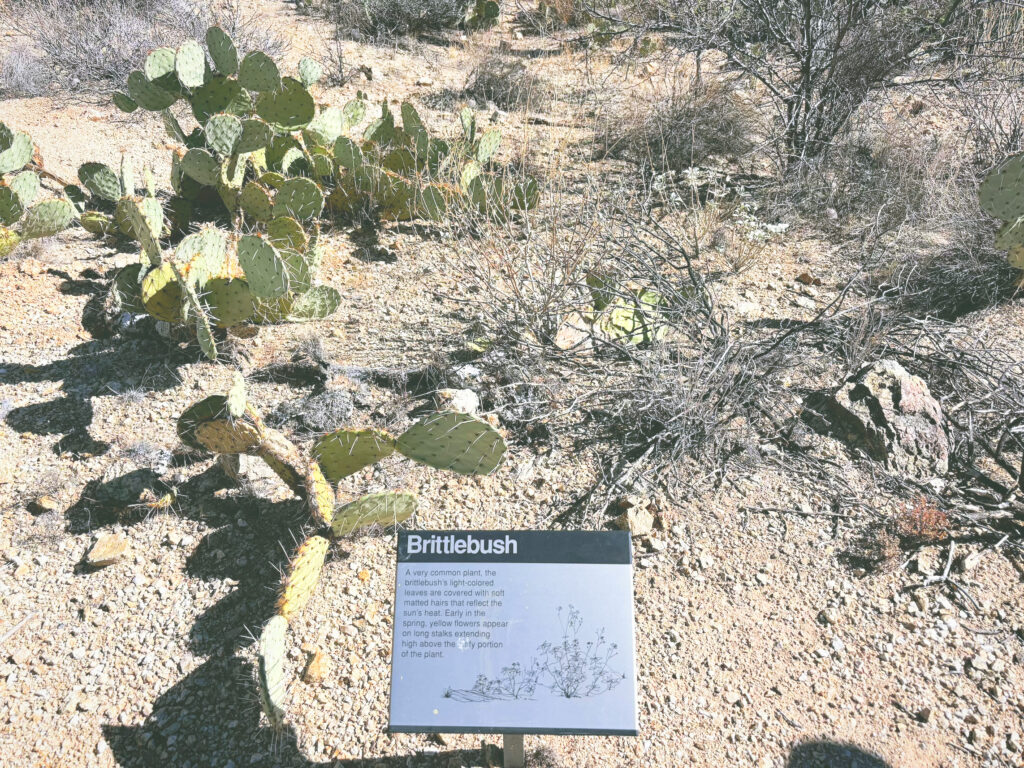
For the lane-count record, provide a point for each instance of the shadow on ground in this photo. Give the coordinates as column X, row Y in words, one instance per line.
column 831, row 754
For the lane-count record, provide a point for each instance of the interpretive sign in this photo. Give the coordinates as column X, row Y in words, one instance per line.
column 513, row 632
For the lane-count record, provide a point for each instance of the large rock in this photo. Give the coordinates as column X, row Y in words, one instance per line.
column 891, row 416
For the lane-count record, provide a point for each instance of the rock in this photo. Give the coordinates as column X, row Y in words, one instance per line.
column 316, row 668
column 732, row 698
column 924, row 714
column 424, row 81
column 928, row 561
column 458, row 400
column 639, row 521
column 43, row 504
column 891, row 416
column 108, row 549
column 829, row 616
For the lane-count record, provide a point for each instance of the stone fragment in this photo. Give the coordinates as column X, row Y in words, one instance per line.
column 108, row 549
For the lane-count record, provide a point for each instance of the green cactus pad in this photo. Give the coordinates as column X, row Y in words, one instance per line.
column 158, row 63
column 222, row 51
column 300, row 272
column 322, row 162
column 202, row 254
column 161, row 293
column 230, row 301
column 236, row 397
column 258, row 72
column 172, row 127
column 264, row 270
column 127, row 176
column 1010, row 235
column 201, row 166
column 299, row 198
column 1002, row 193
column 217, row 94
column 1016, row 256
column 489, row 143
column 255, row 202
column 347, row 154
column 310, row 72
column 399, row 161
column 325, row 128
column 469, row 174
column 525, row 195
column 346, row 451
column 287, row 234
column 124, row 102
column 101, row 181
column 25, row 185
column 318, row 302
column 455, row 441
column 468, row 121
column 205, row 337
column 146, row 217
column 47, row 218
column 289, row 109
column 97, row 223
column 15, row 152
column 294, row 162
column 147, row 95
column 11, row 207
column 190, row 64
column 387, row 508
column 270, row 670
column 223, row 132
column 382, row 130
column 433, row 202
column 256, row 134
column 411, row 122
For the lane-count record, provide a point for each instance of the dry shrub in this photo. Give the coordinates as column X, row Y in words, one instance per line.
column 387, row 18
column 95, row 44
column 508, row 84
column 921, row 523
column 23, row 73
column 697, row 120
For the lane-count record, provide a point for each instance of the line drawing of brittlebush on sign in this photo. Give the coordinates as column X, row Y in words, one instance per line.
column 569, row 668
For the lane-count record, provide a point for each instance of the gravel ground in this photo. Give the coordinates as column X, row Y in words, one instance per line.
column 758, row 644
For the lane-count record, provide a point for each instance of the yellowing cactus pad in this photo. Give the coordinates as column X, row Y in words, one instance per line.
column 346, row 451
column 320, row 495
column 303, row 574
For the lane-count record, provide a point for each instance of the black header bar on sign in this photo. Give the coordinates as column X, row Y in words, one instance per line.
column 574, row 547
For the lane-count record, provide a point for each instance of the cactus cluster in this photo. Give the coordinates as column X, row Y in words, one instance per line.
column 1002, row 196
column 23, row 215
column 229, row 425
column 624, row 314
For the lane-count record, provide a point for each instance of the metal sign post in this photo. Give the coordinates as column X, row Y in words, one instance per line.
column 512, row 750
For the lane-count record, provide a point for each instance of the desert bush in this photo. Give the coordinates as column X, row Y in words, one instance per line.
column 23, row 73
column 508, row 84
column 696, row 121
column 387, row 18
column 94, row 44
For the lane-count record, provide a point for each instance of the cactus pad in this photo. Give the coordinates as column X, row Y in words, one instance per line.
column 255, row 201
column 161, row 293
column 25, row 185
column 310, row 72
column 299, row 198
column 201, row 166
column 387, row 508
column 47, row 218
column 258, row 72
column 230, row 301
column 207, row 409
column 264, row 270
column 202, row 254
column 147, row 95
column 217, row 94
column 158, row 63
column 146, row 217
column 468, row 121
column 287, row 234
column 319, row 494
column 318, row 302
column 346, row 451
column 256, row 134
column 469, row 174
column 190, row 64
column 303, row 575
column 1010, row 235
column 290, row 108
column 222, row 51
column 326, row 127
column 9, row 240
column 284, row 459
column 11, row 207
column 1002, row 193
column 101, row 181
column 123, row 295
column 15, row 151
column 124, row 102
column 488, row 145
column 455, row 441
column 229, row 435
column 347, row 154
column 223, row 133
column 270, row 671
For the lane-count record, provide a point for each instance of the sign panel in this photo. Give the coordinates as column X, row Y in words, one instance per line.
column 513, row 632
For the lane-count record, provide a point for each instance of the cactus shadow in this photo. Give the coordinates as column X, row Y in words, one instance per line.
column 98, row 368
column 832, row 754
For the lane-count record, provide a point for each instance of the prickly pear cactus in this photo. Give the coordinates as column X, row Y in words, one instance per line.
column 22, row 214
column 1002, row 197
column 221, row 424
